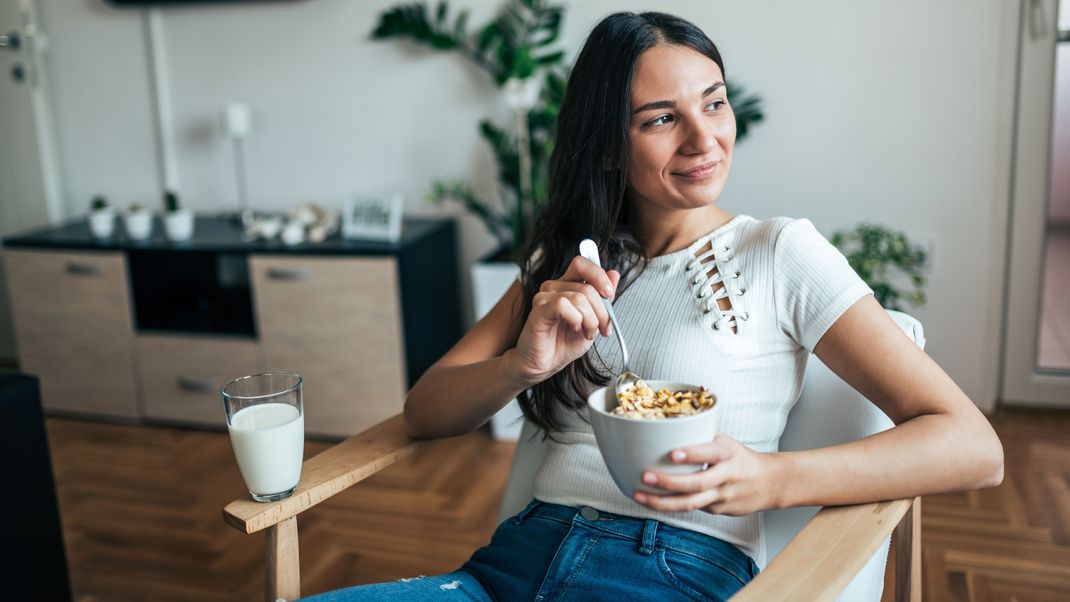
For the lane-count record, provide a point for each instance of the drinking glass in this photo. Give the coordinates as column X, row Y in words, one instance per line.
column 266, row 421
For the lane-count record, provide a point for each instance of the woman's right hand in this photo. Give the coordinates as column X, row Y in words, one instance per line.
column 565, row 316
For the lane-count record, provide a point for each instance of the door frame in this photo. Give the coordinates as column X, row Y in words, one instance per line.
column 32, row 53
column 1022, row 382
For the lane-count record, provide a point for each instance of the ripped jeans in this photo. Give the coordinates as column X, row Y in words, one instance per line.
column 550, row 552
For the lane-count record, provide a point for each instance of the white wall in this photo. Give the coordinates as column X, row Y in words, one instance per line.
column 885, row 111
column 100, row 99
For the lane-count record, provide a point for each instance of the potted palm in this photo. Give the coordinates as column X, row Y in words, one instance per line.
column 101, row 217
column 138, row 222
column 177, row 220
column 518, row 52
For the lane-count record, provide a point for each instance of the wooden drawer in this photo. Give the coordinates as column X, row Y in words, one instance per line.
column 73, row 329
column 181, row 375
column 335, row 321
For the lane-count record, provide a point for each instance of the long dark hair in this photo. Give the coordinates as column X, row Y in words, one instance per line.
column 587, row 181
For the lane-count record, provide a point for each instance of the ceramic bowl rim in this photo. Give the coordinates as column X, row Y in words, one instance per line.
column 677, row 420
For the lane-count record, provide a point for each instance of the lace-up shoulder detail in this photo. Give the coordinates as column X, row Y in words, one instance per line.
column 716, row 285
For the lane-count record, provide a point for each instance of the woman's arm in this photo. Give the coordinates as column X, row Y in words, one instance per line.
column 941, row 441
column 507, row 352
column 464, row 388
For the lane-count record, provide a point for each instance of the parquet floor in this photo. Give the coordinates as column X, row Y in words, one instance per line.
column 1011, row 542
column 141, row 513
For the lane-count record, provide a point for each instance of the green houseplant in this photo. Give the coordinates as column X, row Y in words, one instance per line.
column 887, row 261
column 518, row 51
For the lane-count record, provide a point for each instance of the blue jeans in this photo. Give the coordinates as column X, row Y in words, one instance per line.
column 550, row 552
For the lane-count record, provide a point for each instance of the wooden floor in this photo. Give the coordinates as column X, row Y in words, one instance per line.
column 141, row 517
column 1011, row 542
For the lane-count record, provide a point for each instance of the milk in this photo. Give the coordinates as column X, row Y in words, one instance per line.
column 268, row 440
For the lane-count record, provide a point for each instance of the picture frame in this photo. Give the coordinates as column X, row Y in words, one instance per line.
column 373, row 218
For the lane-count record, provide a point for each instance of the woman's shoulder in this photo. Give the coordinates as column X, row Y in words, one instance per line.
column 770, row 231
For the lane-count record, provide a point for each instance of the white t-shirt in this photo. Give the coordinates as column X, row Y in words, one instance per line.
column 786, row 283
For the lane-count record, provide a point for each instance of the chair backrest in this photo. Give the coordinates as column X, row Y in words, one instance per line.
column 829, row 412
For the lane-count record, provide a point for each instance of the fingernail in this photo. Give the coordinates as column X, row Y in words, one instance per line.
column 649, row 478
column 640, row 497
column 678, row 455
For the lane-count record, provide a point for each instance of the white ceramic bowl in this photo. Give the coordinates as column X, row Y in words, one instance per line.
column 630, row 445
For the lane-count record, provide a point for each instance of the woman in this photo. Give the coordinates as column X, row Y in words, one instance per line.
column 644, row 148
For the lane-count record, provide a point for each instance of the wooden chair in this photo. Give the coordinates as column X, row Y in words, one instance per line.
column 817, row 554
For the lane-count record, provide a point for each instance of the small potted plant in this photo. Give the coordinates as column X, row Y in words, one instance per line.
column 893, row 266
column 177, row 221
column 101, row 217
column 138, row 221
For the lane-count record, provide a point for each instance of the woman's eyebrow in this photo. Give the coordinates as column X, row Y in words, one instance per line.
column 668, row 104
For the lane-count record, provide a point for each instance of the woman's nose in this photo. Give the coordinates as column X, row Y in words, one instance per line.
column 701, row 137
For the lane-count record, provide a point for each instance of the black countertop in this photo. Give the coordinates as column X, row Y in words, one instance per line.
column 216, row 234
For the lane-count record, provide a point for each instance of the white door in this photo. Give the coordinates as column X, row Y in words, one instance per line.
column 29, row 194
column 1038, row 285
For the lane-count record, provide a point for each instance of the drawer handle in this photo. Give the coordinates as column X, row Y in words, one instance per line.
column 83, row 269
column 198, row 385
column 287, row 274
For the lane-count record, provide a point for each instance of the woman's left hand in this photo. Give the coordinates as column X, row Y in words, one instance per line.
column 738, row 481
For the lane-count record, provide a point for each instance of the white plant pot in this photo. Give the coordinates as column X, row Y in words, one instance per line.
column 102, row 222
column 293, row 234
column 490, row 280
column 178, row 224
column 138, row 224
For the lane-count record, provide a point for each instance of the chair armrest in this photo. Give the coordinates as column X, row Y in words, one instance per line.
column 829, row 551
column 328, row 473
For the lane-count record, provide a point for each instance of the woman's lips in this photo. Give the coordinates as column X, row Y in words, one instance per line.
column 701, row 172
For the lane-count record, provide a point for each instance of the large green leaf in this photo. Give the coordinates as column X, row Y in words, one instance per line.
column 410, row 20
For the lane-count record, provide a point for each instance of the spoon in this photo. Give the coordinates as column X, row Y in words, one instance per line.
column 626, row 379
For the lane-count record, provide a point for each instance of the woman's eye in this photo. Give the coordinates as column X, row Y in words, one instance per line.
column 657, row 121
column 662, row 120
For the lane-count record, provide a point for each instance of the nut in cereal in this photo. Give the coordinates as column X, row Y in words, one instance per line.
column 642, row 402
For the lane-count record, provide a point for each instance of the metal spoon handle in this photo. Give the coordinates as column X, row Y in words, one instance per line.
column 616, row 330
column 589, row 250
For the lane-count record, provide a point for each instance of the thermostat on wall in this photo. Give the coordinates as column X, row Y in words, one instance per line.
column 373, row 218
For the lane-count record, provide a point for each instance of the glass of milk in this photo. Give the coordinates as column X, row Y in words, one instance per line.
column 266, row 420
